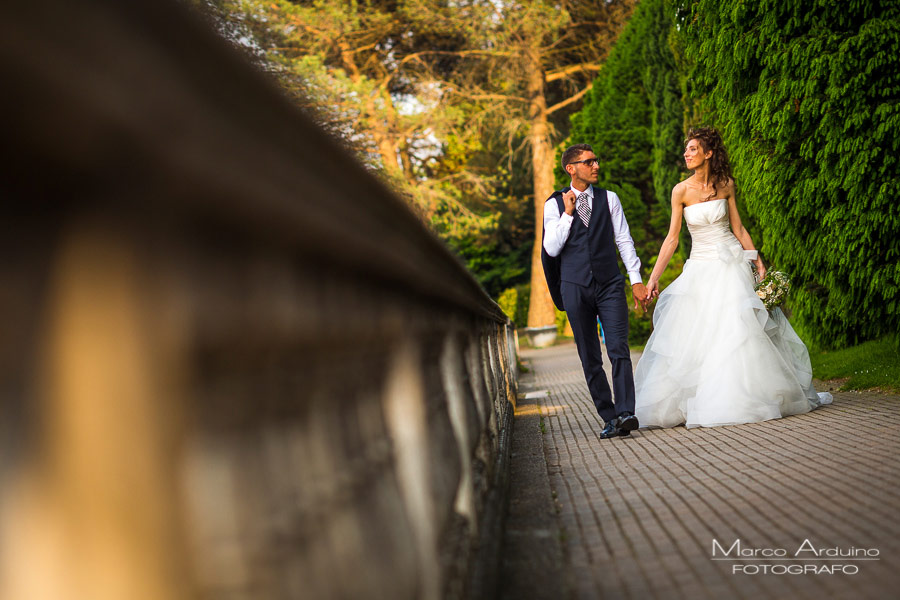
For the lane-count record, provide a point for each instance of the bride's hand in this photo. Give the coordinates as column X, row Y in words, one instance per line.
column 760, row 269
column 652, row 290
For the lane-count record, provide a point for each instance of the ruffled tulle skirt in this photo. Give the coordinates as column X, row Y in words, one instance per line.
column 717, row 356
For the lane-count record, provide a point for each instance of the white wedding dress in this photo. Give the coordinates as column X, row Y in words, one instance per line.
column 716, row 355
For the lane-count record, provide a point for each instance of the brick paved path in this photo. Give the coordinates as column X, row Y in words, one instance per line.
column 639, row 514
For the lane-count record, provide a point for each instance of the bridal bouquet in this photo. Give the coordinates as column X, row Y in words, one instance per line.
column 773, row 289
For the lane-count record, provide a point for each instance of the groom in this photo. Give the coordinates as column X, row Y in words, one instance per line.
column 583, row 225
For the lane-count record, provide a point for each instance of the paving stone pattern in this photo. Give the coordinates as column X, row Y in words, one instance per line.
column 639, row 514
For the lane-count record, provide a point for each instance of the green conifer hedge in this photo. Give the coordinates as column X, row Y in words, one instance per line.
column 807, row 96
column 633, row 118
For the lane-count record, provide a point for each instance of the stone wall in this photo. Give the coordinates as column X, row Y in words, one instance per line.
column 233, row 364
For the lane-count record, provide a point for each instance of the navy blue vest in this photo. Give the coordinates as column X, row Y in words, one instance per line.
column 590, row 252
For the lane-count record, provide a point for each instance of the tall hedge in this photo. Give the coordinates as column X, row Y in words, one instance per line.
column 807, row 94
column 633, row 118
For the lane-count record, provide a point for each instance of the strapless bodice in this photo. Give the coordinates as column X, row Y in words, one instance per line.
column 709, row 227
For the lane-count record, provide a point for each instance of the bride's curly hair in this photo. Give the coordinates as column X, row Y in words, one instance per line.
column 719, row 167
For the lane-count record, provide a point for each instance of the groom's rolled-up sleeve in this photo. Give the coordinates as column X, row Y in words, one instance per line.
column 623, row 239
column 556, row 228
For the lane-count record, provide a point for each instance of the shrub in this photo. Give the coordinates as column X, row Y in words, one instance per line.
column 514, row 303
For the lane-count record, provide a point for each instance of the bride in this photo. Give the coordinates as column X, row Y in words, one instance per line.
column 716, row 355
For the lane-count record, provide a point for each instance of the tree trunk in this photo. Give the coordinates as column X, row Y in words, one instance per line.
column 406, row 161
column 402, row 160
column 382, row 125
column 540, row 308
column 381, row 131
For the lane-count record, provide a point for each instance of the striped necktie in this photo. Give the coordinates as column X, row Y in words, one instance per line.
column 583, row 208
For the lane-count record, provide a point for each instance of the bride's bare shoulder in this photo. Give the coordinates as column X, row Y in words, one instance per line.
column 680, row 187
column 679, row 190
column 728, row 187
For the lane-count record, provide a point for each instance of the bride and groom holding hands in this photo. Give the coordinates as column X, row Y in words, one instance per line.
column 716, row 355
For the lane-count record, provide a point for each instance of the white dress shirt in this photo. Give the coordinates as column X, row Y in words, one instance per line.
column 557, row 227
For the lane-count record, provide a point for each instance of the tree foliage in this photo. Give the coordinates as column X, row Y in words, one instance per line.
column 460, row 105
column 533, row 60
column 807, row 95
column 633, row 118
column 456, row 103
column 372, row 72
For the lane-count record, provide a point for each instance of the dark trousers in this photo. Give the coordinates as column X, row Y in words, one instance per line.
column 583, row 306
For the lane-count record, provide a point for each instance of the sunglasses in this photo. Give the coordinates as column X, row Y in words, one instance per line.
column 590, row 162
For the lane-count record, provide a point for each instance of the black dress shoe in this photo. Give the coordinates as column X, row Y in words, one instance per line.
column 627, row 423
column 611, row 429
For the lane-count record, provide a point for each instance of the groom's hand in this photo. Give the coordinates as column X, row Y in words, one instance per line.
column 639, row 292
column 569, row 201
